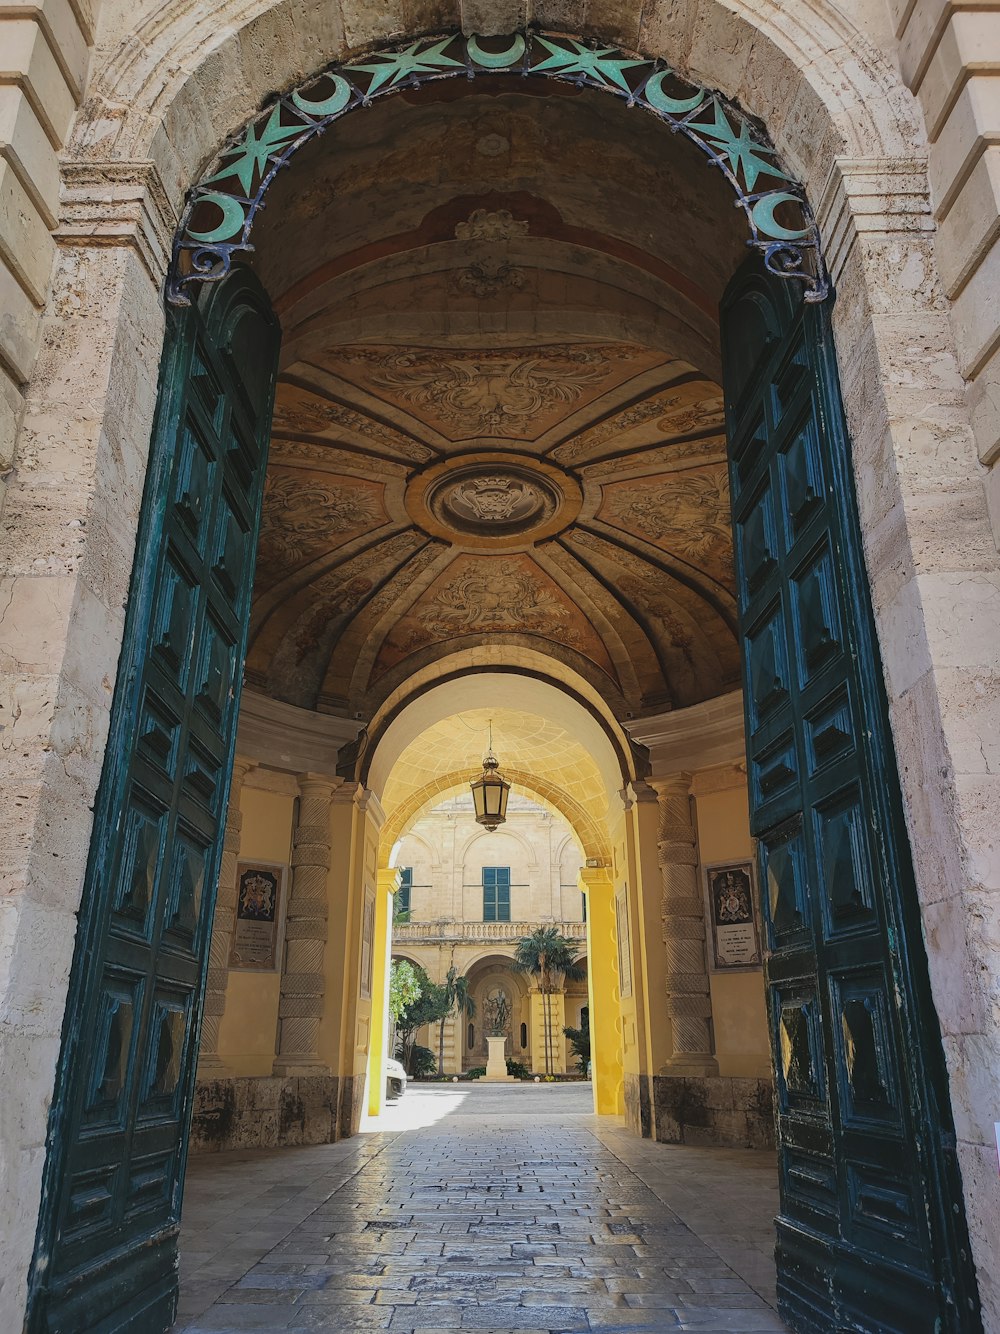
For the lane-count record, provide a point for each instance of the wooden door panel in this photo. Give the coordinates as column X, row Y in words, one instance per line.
column 871, row 1230
column 118, row 1132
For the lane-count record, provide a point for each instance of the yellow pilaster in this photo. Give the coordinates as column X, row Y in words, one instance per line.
column 387, row 884
column 555, row 1006
column 650, row 957
column 603, row 994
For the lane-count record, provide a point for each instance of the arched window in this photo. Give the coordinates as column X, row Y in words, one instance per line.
column 471, row 1036
column 524, row 1036
column 585, row 1017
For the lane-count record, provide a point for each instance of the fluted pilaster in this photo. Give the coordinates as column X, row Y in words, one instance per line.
column 223, row 925
column 303, row 982
column 689, row 1003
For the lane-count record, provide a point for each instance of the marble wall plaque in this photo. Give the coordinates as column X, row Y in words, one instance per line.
column 260, row 891
column 732, row 912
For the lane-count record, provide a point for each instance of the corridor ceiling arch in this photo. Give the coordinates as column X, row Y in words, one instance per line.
column 221, row 209
column 587, row 831
column 538, row 704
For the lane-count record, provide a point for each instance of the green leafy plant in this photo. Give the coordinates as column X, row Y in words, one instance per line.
column 422, row 1062
column 547, row 956
column 516, row 1069
column 476, row 1072
column 579, row 1040
column 404, row 987
column 427, row 1008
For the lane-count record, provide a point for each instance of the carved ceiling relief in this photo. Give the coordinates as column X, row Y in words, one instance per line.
column 495, row 392
column 306, row 513
column 479, row 596
column 695, row 406
column 493, row 274
column 687, row 514
column 385, row 542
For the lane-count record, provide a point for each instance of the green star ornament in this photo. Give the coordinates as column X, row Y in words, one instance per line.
column 605, row 63
column 397, row 65
column 253, row 152
column 743, row 152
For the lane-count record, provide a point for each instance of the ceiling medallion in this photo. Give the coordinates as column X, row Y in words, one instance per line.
column 492, row 501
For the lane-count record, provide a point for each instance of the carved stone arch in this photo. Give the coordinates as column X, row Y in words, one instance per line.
column 167, row 89
column 432, row 855
column 506, row 831
column 405, row 956
column 221, row 208
column 567, row 841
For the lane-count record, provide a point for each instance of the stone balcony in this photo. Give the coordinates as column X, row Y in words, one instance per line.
column 502, row 933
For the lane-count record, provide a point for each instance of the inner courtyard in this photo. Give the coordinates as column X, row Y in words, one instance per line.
column 512, row 408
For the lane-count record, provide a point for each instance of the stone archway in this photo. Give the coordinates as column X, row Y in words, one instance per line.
column 127, row 289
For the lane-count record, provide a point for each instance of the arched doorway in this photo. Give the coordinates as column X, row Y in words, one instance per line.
column 791, row 366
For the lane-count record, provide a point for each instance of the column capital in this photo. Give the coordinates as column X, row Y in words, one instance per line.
column 670, row 786
column 590, row 876
column 368, row 804
column 637, row 792
column 317, row 785
column 389, row 878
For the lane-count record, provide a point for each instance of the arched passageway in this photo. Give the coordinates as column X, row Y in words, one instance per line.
column 506, row 427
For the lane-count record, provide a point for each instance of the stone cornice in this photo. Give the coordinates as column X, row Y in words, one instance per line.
column 871, row 196
column 725, row 777
column 272, row 780
column 699, row 737
column 118, row 204
column 283, row 736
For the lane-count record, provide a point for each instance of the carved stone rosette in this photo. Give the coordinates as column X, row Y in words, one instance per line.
column 303, row 984
column 689, row 1003
column 222, row 928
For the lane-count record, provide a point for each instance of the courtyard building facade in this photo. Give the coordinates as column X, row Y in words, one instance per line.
column 620, row 379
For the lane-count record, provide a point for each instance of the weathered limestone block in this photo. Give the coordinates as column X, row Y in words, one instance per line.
column 264, row 1112
column 721, row 1110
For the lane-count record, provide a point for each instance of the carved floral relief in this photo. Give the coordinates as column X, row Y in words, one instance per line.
column 300, row 412
column 686, row 513
column 493, row 391
column 305, row 513
column 487, row 595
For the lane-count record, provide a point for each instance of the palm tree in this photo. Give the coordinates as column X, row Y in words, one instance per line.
column 459, row 998
column 547, row 956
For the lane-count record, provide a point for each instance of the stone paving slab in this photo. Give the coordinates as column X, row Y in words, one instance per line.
column 483, row 1210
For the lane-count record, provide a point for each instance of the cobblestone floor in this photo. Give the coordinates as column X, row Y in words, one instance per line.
column 476, row 1208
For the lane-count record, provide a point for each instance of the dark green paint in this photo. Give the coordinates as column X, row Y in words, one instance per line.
column 871, row 1235
column 107, row 1242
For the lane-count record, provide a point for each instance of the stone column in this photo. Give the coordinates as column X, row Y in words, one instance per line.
column 300, row 1007
column 689, row 1002
column 209, row 1063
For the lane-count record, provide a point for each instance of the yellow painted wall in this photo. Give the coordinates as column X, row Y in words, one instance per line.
column 738, row 1009
column 249, row 1026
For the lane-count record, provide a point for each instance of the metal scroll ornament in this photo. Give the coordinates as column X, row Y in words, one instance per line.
column 221, row 208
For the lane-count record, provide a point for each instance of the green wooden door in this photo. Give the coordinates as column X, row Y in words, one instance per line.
column 871, row 1234
column 106, row 1249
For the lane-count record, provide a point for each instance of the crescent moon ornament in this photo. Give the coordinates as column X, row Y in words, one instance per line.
column 762, row 217
column 496, row 59
column 670, row 106
column 329, row 106
column 233, row 217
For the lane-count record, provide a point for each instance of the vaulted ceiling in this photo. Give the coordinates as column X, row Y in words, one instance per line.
column 494, row 424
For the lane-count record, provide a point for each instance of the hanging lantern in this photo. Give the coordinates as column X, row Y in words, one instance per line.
column 490, row 791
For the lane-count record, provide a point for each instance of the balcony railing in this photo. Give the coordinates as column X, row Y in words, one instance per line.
column 502, row 932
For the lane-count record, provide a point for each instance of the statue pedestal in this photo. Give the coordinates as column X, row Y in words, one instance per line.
column 496, row 1062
